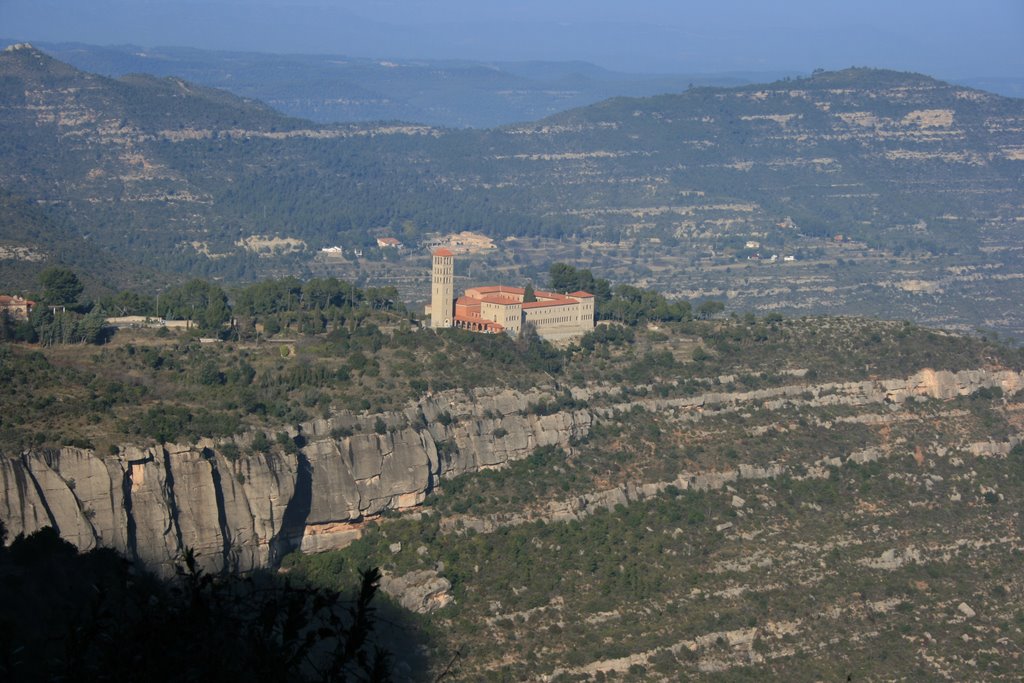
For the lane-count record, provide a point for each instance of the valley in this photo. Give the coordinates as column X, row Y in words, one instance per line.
column 340, row 88
column 889, row 192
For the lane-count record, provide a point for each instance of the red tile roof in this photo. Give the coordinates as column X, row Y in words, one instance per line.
column 499, row 300
column 501, row 295
column 443, row 252
column 497, row 289
column 546, row 304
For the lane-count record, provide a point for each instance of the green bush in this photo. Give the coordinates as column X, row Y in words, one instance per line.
column 260, row 443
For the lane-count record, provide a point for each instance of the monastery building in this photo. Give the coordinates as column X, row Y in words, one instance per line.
column 497, row 308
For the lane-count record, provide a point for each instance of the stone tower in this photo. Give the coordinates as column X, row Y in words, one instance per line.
column 442, row 290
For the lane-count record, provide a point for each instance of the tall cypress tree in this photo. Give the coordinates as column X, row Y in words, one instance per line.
column 528, row 294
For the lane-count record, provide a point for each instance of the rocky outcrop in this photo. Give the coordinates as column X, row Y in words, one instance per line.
column 942, row 385
column 420, row 591
column 152, row 503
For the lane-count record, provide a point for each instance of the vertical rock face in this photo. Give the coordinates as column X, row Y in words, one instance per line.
column 152, row 503
column 258, row 491
column 440, row 437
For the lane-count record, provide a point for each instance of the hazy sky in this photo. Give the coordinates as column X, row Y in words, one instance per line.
column 945, row 38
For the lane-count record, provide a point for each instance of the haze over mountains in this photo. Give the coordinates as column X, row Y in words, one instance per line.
column 911, row 184
column 338, row 88
column 945, row 38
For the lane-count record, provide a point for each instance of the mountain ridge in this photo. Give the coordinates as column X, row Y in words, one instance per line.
column 911, row 180
column 341, row 88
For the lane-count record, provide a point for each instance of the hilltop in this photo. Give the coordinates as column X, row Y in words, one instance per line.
column 736, row 497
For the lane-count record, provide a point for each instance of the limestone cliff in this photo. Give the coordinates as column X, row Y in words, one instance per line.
column 151, row 503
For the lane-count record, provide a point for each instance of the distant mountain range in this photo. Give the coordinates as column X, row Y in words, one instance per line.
column 448, row 93
column 183, row 178
column 339, row 89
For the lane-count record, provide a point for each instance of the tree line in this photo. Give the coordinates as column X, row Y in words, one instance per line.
column 627, row 304
column 63, row 317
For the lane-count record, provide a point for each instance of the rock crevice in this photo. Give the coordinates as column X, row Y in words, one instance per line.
column 151, row 503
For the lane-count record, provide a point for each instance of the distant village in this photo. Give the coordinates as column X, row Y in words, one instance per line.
column 464, row 242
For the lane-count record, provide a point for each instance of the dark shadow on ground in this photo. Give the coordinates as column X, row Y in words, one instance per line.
column 66, row 615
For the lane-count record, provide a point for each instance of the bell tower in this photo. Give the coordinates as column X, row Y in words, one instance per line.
column 442, row 290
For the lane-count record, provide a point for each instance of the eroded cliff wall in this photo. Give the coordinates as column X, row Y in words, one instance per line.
column 151, row 503
column 240, row 514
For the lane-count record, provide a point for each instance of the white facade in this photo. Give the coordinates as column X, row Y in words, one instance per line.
column 442, row 289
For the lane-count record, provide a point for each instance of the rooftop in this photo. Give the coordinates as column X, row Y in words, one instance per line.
column 497, row 289
column 548, row 304
column 551, row 295
column 497, row 299
column 8, row 300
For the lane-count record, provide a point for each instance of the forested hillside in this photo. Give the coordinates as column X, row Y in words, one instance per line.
column 896, row 191
column 727, row 497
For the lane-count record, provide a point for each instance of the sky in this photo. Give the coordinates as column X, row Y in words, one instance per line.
column 944, row 38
